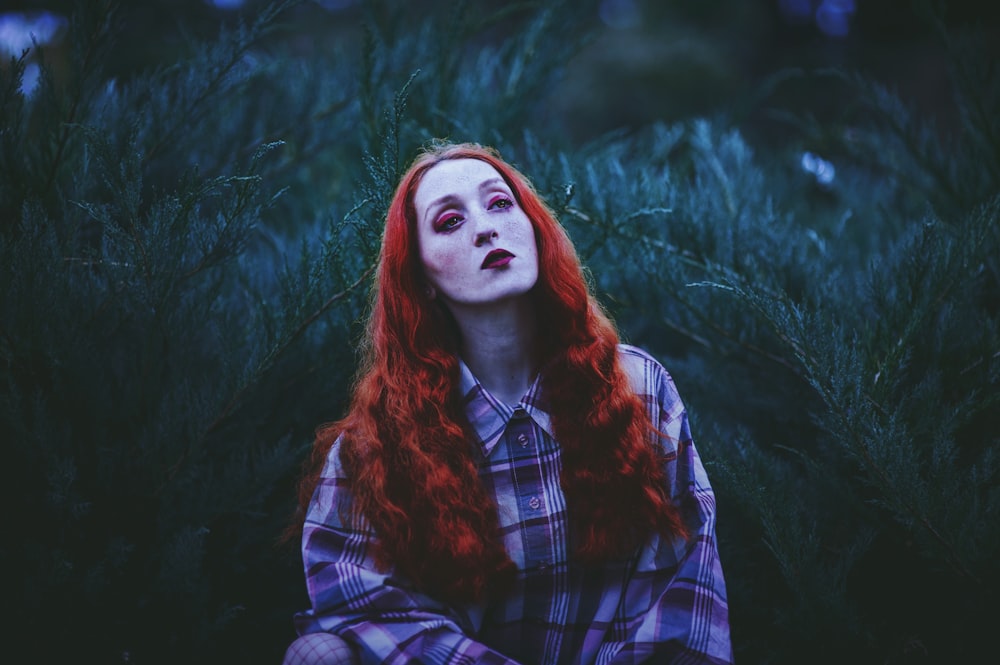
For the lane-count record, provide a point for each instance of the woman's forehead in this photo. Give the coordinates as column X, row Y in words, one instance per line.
column 455, row 177
column 458, row 171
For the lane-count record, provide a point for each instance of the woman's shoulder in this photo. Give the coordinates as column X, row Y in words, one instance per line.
column 637, row 361
column 646, row 374
column 630, row 351
column 331, row 500
column 334, row 467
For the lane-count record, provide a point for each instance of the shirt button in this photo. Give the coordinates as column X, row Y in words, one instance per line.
column 534, row 503
column 523, row 440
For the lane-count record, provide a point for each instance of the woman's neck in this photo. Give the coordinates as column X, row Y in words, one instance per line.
column 499, row 344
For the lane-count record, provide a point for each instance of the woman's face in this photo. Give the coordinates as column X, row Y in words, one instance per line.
column 477, row 246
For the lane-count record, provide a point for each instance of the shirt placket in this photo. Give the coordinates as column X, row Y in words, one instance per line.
column 522, row 441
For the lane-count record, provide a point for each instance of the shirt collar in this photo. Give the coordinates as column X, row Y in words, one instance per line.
column 489, row 416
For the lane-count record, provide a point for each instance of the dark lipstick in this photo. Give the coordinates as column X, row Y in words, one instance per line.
column 496, row 259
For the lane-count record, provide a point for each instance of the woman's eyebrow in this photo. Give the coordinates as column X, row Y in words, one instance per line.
column 437, row 203
column 492, row 182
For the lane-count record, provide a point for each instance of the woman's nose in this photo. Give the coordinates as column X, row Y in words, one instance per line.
column 485, row 234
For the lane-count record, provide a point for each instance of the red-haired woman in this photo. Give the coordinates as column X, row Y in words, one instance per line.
column 510, row 484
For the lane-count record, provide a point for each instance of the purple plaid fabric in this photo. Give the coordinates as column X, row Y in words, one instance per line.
column 666, row 604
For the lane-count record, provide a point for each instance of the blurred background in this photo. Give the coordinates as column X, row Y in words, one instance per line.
column 645, row 60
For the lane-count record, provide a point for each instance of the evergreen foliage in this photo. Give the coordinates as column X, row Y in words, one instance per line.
column 186, row 252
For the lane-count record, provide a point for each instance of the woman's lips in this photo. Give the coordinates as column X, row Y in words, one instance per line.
column 496, row 259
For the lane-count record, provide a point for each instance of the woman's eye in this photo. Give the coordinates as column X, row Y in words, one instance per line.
column 447, row 223
column 501, row 203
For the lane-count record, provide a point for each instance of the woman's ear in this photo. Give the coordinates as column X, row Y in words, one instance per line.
column 430, row 292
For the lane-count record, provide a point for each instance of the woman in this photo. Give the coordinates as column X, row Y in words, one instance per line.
column 510, row 484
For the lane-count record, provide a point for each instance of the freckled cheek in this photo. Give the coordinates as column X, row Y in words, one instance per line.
column 521, row 231
column 441, row 264
column 516, row 224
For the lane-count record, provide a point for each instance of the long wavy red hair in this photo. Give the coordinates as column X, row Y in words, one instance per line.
column 406, row 441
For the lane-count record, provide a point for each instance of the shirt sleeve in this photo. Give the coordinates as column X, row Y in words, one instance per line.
column 380, row 614
column 675, row 608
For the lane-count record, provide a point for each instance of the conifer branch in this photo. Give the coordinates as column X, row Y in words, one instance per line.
column 94, row 41
column 883, row 476
column 331, row 109
column 979, row 361
column 689, row 334
column 332, row 300
column 701, row 139
column 847, row 424
column 284, row 345
column 244, row 44
column 682, row 255
column 269, row 359
column 892, row 117
column 688, row 258
column 970, row 92
column 726, row 334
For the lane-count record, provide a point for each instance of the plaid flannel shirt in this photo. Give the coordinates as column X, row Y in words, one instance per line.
column 665, row 604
